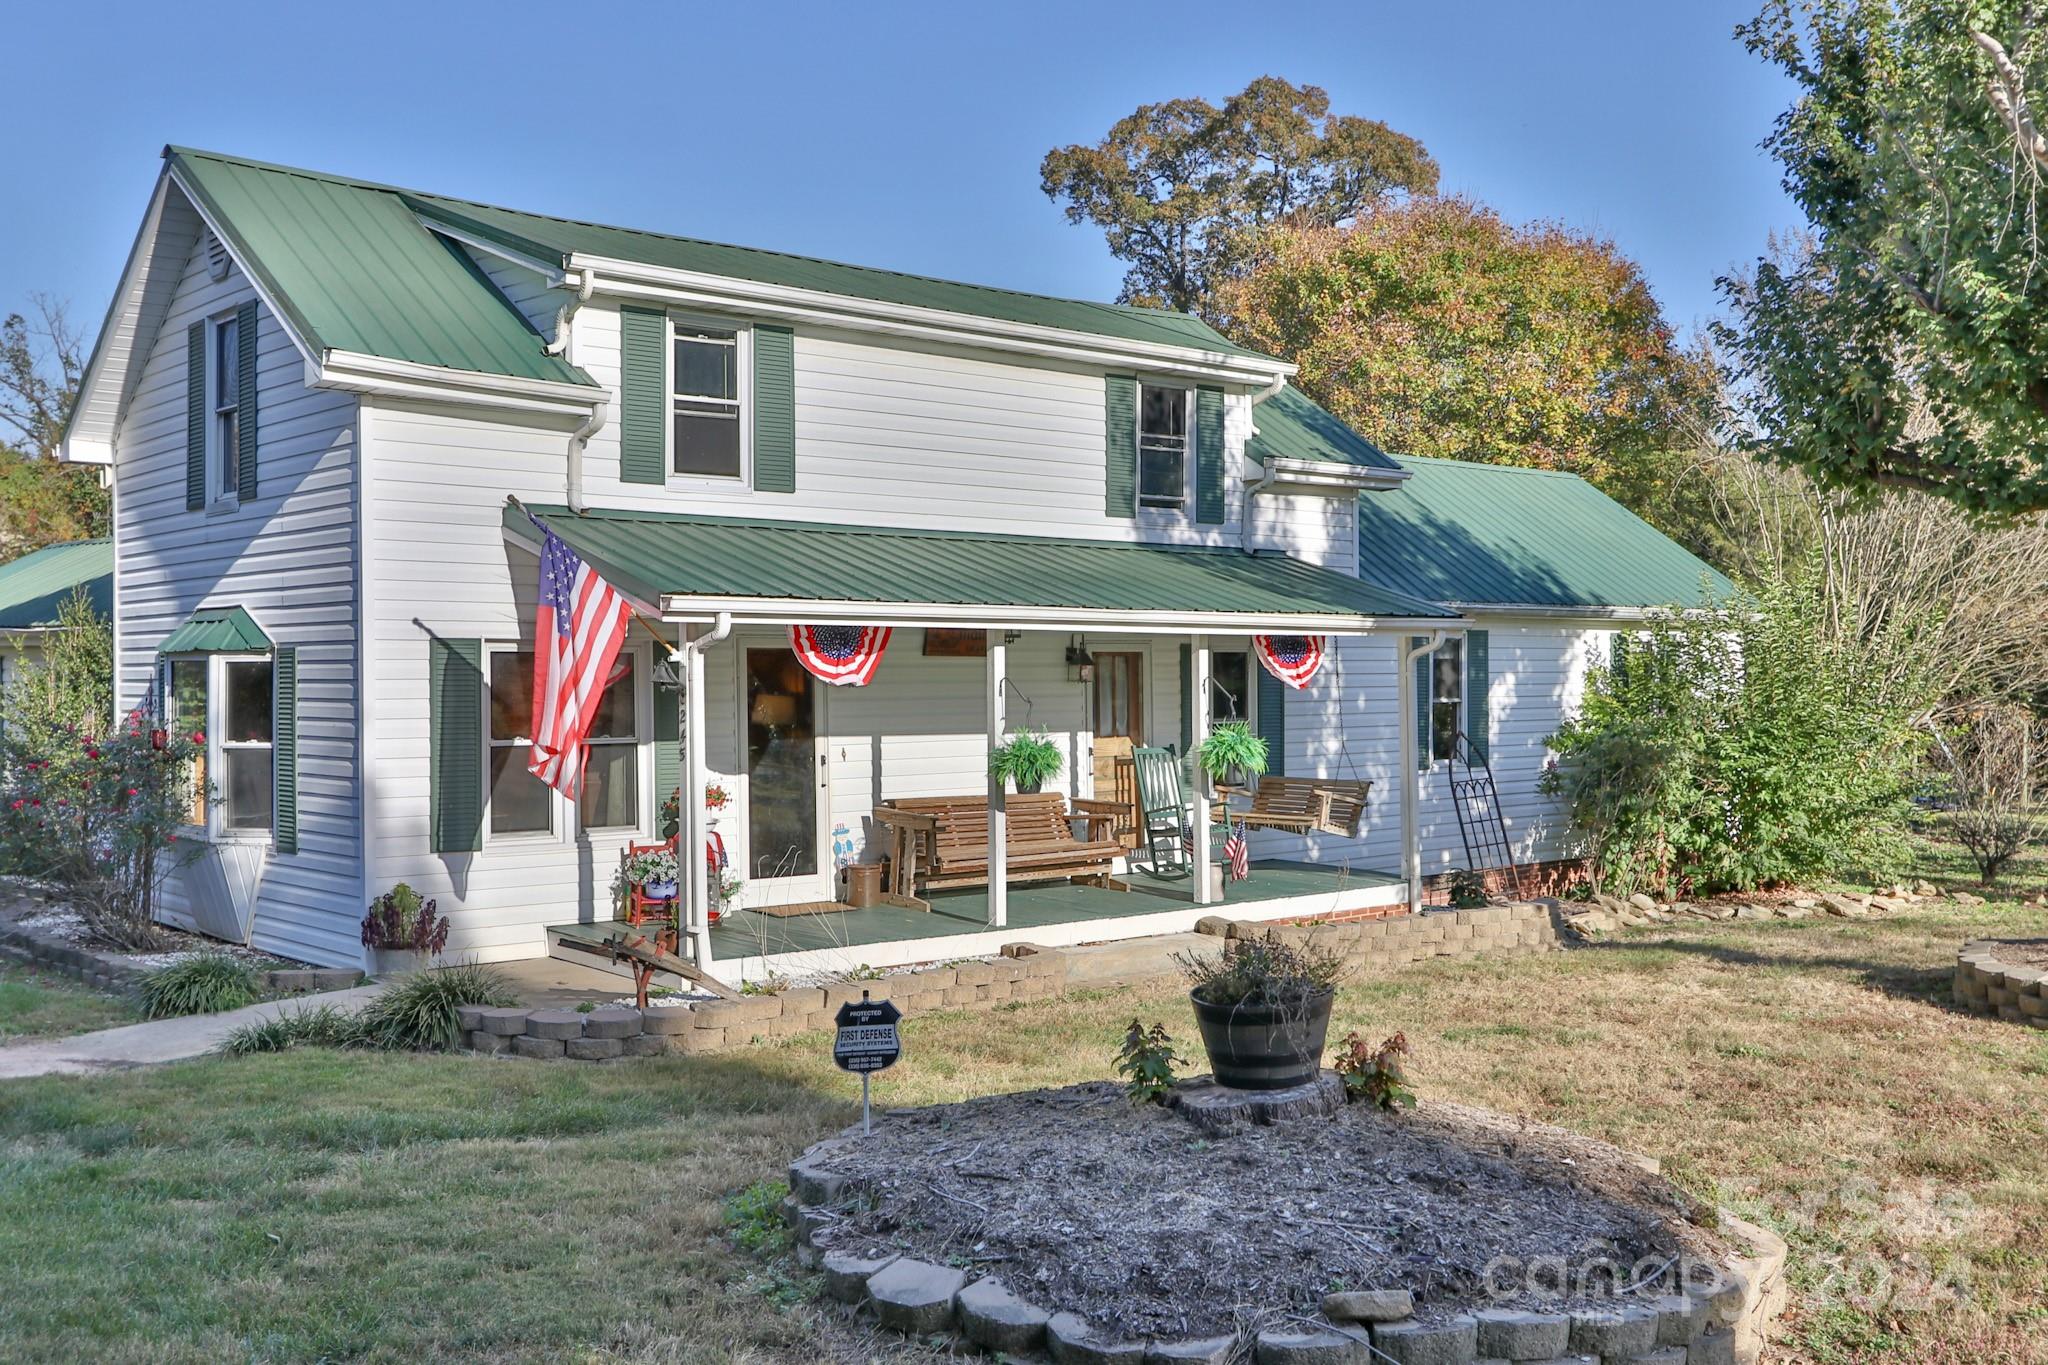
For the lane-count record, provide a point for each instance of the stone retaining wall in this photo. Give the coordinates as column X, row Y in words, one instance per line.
column 1725, row 1322
column 1518, row 927
column 1985, row 985
column 1023, row 973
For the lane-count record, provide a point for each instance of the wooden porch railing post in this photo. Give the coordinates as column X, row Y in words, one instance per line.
column 690, row 849
column 1198, row 732
column 998, row 810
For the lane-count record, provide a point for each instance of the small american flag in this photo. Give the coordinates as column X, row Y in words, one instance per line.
column 1237, row 851
column 577, row 630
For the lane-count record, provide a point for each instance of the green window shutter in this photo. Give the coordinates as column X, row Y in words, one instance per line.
column 643, row 395
column 1478, row 687
column 455, row 728
column 1209, row 456
column 1273, row 720
column 1120, row 444
column 774, row 410
column 668, row 756
column 195, row 417
column 1187, row 698
column 245, row 399
column 1422, row 696
column 284, row 748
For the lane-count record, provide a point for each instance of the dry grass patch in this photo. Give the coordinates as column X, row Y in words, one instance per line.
column 398, row 1208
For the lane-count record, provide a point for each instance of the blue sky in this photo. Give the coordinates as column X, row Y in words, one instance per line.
column 905, row 136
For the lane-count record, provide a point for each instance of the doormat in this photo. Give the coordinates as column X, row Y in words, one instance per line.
column 805, row 908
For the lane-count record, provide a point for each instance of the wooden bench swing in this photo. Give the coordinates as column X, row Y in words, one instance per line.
column 937, row 842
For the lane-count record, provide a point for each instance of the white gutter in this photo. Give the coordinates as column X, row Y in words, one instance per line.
column 566, row 314
column 772, row 302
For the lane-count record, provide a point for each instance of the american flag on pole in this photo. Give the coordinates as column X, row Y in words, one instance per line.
column 1237, row 852
column 577, row 631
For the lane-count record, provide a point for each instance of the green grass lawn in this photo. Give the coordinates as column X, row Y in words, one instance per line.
column 38, row 1004
column 320, row 1205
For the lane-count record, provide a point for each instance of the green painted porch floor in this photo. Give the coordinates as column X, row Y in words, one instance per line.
column 745, row 934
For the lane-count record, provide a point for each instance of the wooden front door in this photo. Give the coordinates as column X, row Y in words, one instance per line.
column 1117, row 716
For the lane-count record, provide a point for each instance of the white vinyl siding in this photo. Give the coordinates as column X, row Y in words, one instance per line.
column 288, row 557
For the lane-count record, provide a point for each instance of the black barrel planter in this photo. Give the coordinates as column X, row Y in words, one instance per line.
column 1264, row 1047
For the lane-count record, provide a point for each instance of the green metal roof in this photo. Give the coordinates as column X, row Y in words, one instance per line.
column 353, row 257
column 354, row 270
column 1292, row 427
column 658, row 554
column 1483, row 534
column 34, row 586
column 217, row 630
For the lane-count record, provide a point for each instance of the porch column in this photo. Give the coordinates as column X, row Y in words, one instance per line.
column 1406, row 778
column 998, row 799
column 690, row 849
column 1198, row 731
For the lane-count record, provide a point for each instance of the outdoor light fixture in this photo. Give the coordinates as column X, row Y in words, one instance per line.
column 1080, row 661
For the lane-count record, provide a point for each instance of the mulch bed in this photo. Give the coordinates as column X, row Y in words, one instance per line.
column 2020, row 952
column 1147, row 1227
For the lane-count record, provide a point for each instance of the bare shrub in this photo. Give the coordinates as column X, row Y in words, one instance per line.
column 1988, row 761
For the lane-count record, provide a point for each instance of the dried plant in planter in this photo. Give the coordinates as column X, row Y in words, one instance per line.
column 1146, row 1062
column 1263, row 972
column 1377, row 1076
column 400, row 921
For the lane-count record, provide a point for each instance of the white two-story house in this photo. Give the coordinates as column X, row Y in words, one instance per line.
column 329, row 404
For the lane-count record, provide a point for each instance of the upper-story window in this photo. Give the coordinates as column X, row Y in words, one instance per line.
column 708, row 436
column 1162, row 446
column 224, row 387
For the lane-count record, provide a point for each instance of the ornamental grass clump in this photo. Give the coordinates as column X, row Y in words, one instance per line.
column 312, row 1026
column 418, row 1012
column 1264, row 972
column 207, row 984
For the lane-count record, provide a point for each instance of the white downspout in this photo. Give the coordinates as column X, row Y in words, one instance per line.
column 1411, row 767
column 696, row 877
column 594, row 423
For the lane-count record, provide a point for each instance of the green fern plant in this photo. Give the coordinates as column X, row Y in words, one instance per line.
column 1232, row 750
column 1027, row 760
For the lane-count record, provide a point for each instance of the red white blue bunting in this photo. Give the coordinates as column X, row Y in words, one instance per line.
column 845, row 656
column 1293, row 659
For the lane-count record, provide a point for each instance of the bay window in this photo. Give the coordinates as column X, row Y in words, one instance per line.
column 230, row 701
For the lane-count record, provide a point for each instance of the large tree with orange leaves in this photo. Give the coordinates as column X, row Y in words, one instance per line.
column 1437, row 328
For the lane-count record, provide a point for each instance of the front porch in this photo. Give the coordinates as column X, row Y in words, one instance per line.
column 748, row 945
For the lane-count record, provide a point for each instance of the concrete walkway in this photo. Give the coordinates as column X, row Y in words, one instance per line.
column 159, row 1040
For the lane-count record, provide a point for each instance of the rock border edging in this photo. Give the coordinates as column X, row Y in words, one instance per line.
column 1729, row 1325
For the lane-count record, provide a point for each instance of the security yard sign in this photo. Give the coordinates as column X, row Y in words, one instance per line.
column 867, row 1042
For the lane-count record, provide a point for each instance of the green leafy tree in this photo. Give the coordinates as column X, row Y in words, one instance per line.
column 1746, row 748
column 42, row 501
column 1909, row 346
column 70, row 691
column 1437, row 328
column 1181, row 188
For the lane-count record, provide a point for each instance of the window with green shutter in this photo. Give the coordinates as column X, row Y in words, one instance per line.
column 195, row 417
column 643, row 397
column 1120, row 444
column 774, row 400
column 1209, row 490
column 1478, row 686
column 1272, row 721
column 284, row 720
column 455, row 711
column 245, row 405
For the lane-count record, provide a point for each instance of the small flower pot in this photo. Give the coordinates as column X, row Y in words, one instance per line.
column 1263, row 1047
column 397, row 961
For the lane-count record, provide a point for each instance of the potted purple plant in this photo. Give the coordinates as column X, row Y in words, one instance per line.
column 402, row 933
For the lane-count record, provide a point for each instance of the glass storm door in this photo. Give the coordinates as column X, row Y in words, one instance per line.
column 786, row 859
